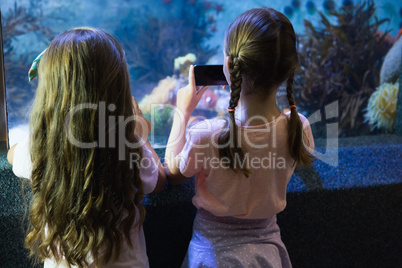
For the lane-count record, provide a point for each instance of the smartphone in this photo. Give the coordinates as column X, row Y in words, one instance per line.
column 209, row 75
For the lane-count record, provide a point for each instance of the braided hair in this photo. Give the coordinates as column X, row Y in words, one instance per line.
column 261, row 45
column 233, row 152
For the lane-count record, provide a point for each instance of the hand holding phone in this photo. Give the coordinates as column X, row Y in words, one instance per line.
column 209, row 75
column 189, row 96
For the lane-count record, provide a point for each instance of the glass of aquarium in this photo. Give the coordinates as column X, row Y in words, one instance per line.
column 346, row 83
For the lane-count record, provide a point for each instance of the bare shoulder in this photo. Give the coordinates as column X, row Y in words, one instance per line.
column 206, row 130
column 304, row 120
column 209, row 125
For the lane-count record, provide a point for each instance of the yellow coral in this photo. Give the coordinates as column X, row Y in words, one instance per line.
column 161, row 94
column 381, row 109
column 182, row 64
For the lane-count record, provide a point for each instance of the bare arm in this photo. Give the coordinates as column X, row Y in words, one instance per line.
column 10, row 154
column 160, row 185
column 174, row 146
column 187, row 99
column 142, row 129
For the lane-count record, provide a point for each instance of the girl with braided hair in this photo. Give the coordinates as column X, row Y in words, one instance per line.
column 242, row 165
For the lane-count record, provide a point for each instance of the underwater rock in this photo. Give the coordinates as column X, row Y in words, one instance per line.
column 392, row 62
column 381, row 108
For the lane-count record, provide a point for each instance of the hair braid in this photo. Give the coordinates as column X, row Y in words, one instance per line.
column 229, row 137
column 295, row 134
column 289, row 90
column 236, row 80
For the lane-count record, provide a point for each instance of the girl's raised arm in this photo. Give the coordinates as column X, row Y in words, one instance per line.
column 187, row 99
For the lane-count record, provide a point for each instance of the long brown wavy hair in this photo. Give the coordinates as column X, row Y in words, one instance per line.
column 261, row 45
column 85, row 200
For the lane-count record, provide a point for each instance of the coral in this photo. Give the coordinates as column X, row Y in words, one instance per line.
column 341, row 63
column 181, row 64
column 208, row 100
column 381, row 109
column 152, row 43
column 164, row 93
column 158, row 107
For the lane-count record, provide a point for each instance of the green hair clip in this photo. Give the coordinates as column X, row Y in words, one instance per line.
column 33, row 71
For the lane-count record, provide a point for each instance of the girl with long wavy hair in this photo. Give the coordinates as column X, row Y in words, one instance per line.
column 242, row 165
column 85, row 157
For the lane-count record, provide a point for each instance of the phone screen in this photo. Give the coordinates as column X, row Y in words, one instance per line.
column 209, row 75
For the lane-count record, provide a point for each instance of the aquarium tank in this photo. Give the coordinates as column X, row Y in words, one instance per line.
column 347, row 82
